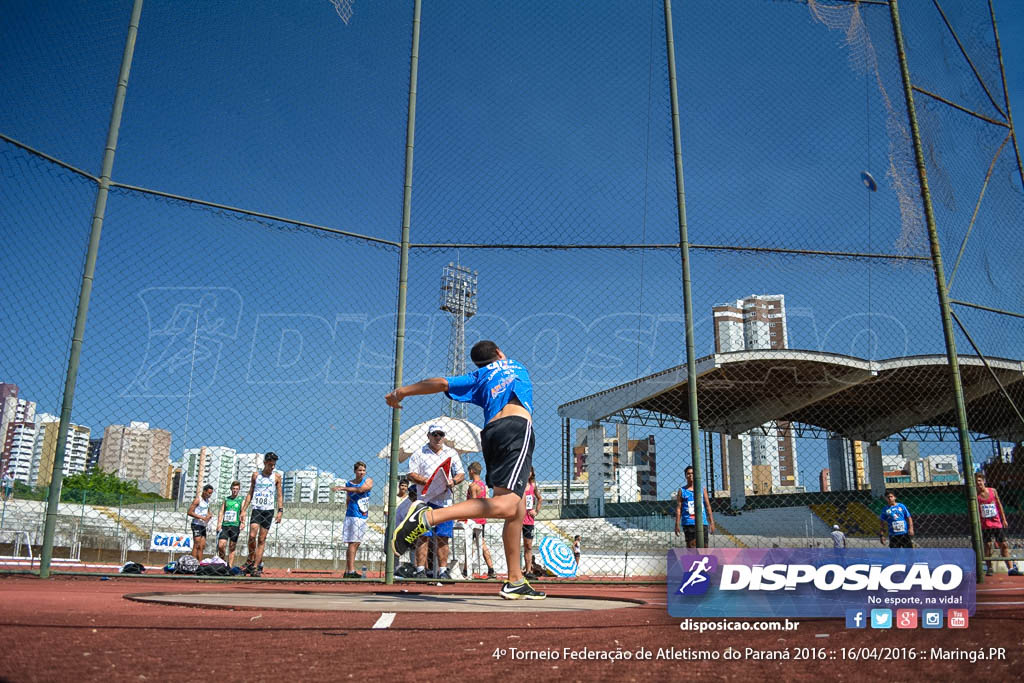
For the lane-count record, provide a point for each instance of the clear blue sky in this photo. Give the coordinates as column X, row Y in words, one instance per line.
column 536, row 123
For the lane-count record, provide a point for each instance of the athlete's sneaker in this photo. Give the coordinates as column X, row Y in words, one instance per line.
column 1015, row 572
column 989, row 572
column 352, row 575
column 530, row 576
column 445, row 575
column 523, row 591
column 420, row 574
column 490, row 573
column 409, row 529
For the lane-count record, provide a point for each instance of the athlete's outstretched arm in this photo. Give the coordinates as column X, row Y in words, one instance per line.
column 434, row 385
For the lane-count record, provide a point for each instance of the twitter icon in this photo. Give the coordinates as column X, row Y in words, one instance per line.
column 881, row 618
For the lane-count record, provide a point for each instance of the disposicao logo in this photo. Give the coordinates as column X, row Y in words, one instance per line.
column 811, row 582
column 696, row 580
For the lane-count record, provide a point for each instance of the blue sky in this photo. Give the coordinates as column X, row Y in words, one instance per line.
column 536, row 124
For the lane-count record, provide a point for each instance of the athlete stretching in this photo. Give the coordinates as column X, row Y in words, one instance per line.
column 501, row 387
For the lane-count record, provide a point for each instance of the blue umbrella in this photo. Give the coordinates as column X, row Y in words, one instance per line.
column 557, row 557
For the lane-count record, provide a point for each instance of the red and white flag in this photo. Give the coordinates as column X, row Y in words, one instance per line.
column 437, row 485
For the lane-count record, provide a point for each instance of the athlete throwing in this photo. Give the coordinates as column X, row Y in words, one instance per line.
column 502, row 387
column 264, row 491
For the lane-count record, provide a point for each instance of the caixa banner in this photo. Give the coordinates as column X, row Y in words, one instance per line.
column 803, row 582
column 170, row 542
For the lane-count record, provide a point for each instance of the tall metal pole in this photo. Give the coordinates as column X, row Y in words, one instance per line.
column 940, row 286
column 86, row 290
column 684, row 250
column 403, row 286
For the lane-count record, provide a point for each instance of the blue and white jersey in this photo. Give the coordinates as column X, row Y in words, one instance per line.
column 492, row 386
column 358, row 503
column 896, row 516
column 688, row 515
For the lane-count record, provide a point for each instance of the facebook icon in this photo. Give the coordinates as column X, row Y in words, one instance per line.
column 856, row 618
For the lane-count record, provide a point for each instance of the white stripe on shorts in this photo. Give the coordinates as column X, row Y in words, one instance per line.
column 522, row 457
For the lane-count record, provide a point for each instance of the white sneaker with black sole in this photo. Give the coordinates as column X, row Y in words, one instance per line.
column 523, row 591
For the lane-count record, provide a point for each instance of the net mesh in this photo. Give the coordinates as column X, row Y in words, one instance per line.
column 246, row 287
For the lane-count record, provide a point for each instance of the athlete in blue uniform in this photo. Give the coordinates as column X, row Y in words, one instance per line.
column 685, row 500
column 357, row 511
column 501, row 387
column 896, row 520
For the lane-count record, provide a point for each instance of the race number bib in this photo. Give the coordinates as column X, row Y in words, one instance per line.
column 364, row 505
column 689, row 507
column 529, row 501
column 899, row 526
column 989, row 510
column 231, row 515
column 264, row 498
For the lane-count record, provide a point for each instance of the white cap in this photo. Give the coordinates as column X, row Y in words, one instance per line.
column 835, row 526
column 435, row 428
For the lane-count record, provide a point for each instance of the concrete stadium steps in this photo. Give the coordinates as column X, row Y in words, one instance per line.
column 792, row 522
column 855, row 519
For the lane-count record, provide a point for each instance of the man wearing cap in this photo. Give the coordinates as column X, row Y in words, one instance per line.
column 838, row 537
column 422, row 466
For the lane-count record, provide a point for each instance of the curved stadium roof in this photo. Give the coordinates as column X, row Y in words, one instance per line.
column 856, row 398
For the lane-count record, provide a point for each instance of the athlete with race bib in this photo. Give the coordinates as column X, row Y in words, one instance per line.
column 502, row 387
column 685, row 499
column 357, row 511
column 896, row 520
column 264, row 495
column 229, row 521
column 200, row 515
column 993, row 524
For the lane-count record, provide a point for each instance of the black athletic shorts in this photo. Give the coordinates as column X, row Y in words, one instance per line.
column 690, row 534
column 901, row 541
column 996, row 535
column 228, row 533
column 508, row 452
column 262, row 517
column 528, row 531
column 198, row 530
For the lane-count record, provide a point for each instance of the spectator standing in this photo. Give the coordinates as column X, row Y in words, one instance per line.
column 478, row 489
column 838, row 537
column 357, row 511
column 229, row 522
column 422, row 466
column 993, row 524
column 533, row 502
column 264, row 494
column 200, row 516
column 896, row 520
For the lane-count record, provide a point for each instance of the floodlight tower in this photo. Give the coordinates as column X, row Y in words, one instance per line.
column 458, row 297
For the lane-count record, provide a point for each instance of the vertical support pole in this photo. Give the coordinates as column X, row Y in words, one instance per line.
column 737, row 480
column 970, row 493
column 403, row 287
column 86, row 290
column 876, row 471
column 684, row 250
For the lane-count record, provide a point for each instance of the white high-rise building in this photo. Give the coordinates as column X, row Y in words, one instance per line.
column 22, row 445
column 769, row 451
column 44, row 450
column 219, row 469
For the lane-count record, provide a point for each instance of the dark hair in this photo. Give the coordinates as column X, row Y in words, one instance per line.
column 475, row 467
column 888, row 491
column 403, row 480
column 483, row 353
column 271, row 455
column 688, row 467
column 236, row 483
column 208, row 487
column 359, row 463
